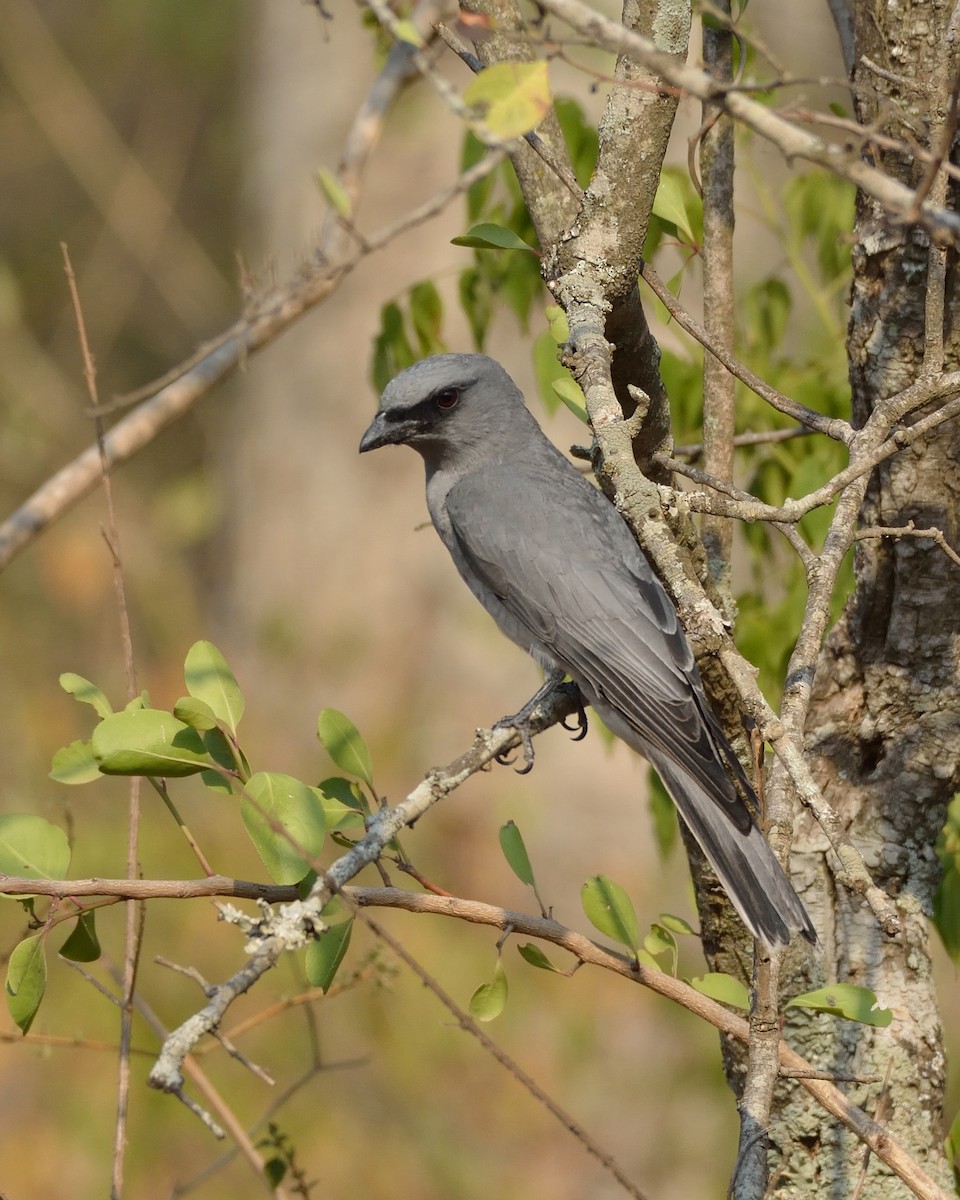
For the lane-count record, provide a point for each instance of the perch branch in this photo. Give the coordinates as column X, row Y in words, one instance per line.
column 588, row 952
column 292, row 925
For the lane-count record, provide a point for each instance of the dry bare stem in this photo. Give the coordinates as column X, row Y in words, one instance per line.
column 133, row 928
column 583, row 949
column 292, row 925
column 270, row 317
column 793, row 142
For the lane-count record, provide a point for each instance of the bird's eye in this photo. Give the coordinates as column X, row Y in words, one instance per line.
column 447, row 398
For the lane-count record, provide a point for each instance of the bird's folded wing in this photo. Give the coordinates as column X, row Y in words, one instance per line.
column 563, row 564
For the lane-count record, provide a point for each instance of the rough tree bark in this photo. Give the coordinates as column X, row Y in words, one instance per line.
column 884, row 722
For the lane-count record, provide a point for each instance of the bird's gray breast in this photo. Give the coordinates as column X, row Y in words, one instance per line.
column 488, row 541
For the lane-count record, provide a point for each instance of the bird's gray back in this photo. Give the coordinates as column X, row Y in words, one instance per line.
column 555, row 565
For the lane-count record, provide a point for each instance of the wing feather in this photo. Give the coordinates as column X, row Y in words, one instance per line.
column 564, row 566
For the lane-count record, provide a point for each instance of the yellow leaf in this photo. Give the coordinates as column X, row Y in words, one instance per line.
column 511, row 98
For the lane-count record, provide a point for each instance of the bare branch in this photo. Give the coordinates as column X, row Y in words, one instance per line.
column 793, row 143
column 509, row 1064
column 271, row 317
column 910, row 531
column 833, row 427
column 292, row 925
column 716, row 170
column 588, row 952
column 867, row 456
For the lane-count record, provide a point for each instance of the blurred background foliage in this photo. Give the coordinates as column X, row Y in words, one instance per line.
column 175, row 153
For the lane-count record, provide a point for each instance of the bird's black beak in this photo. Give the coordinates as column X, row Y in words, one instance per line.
column 380, row 433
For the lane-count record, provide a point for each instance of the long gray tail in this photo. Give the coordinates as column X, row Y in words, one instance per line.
column 745, row 865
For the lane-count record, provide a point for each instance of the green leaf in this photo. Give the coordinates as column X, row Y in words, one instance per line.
column 342, row 804
column 216, row 782
column 26, row 981
column 677, row 924
column 335, row 194
column 511, row 98
column 148, row 741
column 476, row 300
column 426, row 314
column 342, row 741
column 547, row 369
column 557, row 323
column 195, row 713
column 489, row 1000
column 223, row 752
column 659, row 940
column 32, row 848
column 536, row 958
column 845, row 1000
column 208, row 678
column 86, row 692
column 723, row 988
column 609, row 909
column 572, row 396
column 285, row 821
column 74, row 764
column 392, row 351
column 515, row 852
column 951, row 1143
column 406, row 31
column 488, row 236
column 274, row 1170
column 325, row 955
column 580, row 137
column 946, row 902
column 664, row 813
column 83, row 944
column 676, row 204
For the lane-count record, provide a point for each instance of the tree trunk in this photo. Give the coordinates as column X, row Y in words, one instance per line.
column 884, row 723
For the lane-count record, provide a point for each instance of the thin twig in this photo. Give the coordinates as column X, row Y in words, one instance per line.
column 133, row 931
column 758, row 437
column 271, row 317
column 794, row 143
column 217, row 1104
column 869, row 135
column 792, row 535
column 833, row 427
column 866, row 453
column 293, row 924
column 731, row 1024
column 513, row 1068
column 909, row 531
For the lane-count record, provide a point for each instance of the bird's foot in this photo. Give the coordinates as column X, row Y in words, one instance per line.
column 507, row 757
column 521, row 722
column 579, row 730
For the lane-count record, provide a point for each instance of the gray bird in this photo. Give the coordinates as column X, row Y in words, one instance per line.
column 557, row 568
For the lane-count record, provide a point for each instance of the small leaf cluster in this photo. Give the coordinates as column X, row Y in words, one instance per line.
column 810, row 223
column 505, row 270
column 281, row 1166
column 610, row 910
column 286, row 819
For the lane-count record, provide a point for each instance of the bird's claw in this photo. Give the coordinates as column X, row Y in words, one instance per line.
column 507, row 758
column 579, row 730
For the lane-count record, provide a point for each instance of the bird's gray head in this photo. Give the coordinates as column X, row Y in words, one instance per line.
column 451, row 404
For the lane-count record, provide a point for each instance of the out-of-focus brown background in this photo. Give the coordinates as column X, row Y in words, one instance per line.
column 161, row 143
